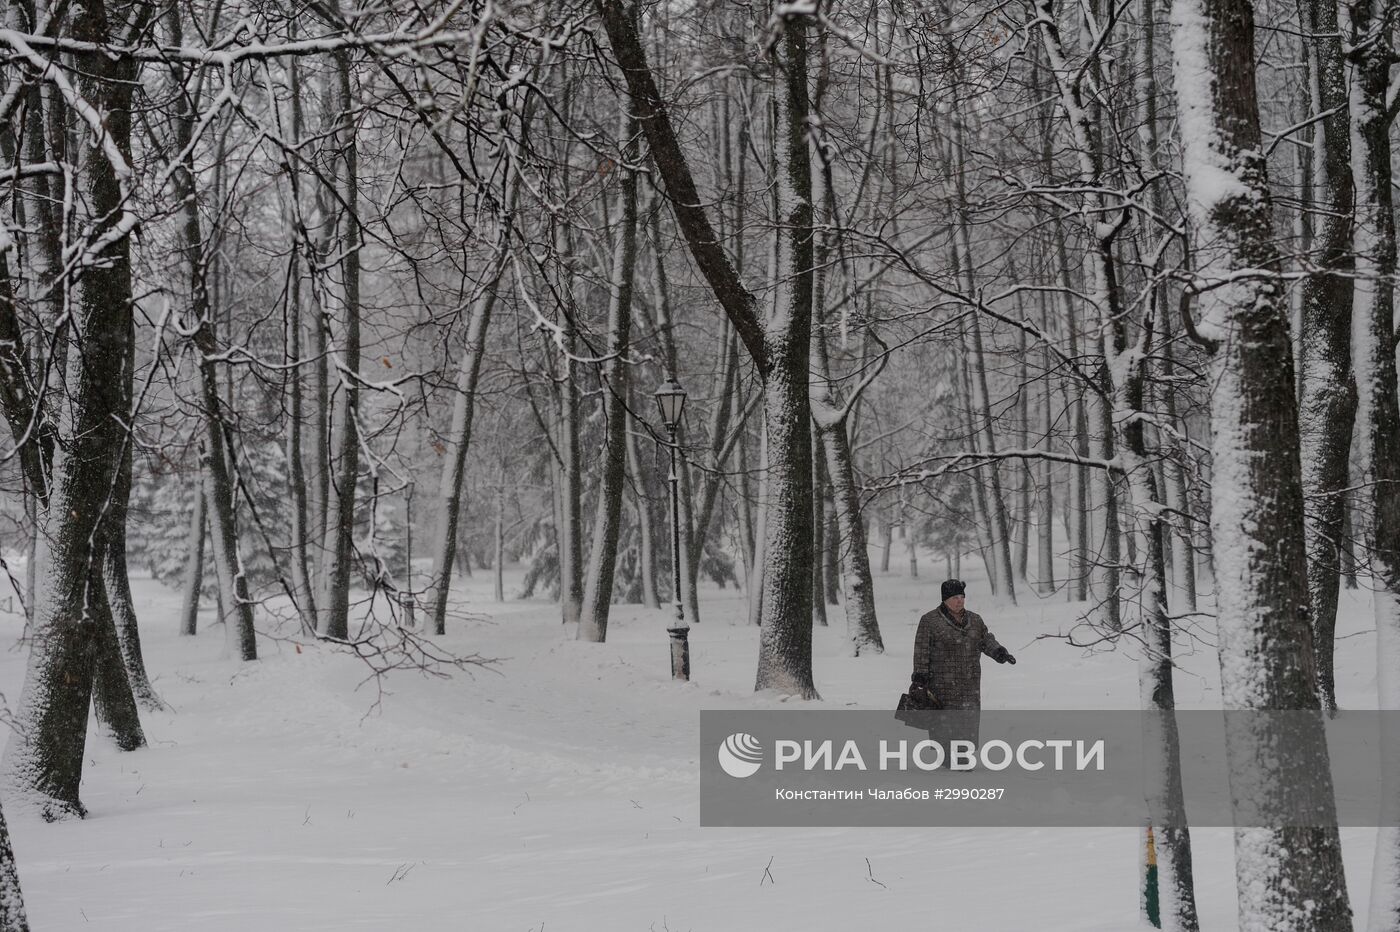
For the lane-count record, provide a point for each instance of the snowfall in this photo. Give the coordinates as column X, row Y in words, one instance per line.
column 557, row 788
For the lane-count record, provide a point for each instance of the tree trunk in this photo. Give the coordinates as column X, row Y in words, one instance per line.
column 1378, row 412
column 449, row 501
column 831, row 414
column 1349, row 545
column 785, row 644
column 779, row 347
column 983, row 437
column 746, row 508
column 857, row 585
column 319, row 481
column 1077, row 501
column 690, row 548
column 31, row 566
column 981, row 511
column 645, row 528
column 1045, row 545
column 819, row 482
column 1026, row 483
column 1000, row 528
column 886, row 539
column 296, row 473
column 115, row 579
column 910, row 542
column 597, row 593
column 570, row 490
column 1142, row 585
column 498, row 561
column 44, row 758
column 759, row 564
column 128, row 639
column 219, row 490
column 831, row 553
column 1327, row 407
column 1104, row 578
column 1288, row 877
column 239, row 638
column 1181, row 529
column 339, row 546
column 113, row 702
column 194, row 562
column 12, row 914
column 307, row 518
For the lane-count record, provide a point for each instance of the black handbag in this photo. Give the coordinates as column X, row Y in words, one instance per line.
column 917, row 699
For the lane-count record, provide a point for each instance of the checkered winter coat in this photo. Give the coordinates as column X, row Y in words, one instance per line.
column 950, row 656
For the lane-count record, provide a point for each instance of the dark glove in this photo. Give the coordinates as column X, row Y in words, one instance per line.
column 919, row 679
column 1002, row 655
column 922, row 698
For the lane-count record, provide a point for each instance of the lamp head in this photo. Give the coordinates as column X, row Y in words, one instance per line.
column 670, row 400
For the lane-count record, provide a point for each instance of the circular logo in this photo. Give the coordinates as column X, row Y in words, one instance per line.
column 741, row 755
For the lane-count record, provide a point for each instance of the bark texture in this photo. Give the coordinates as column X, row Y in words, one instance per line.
column 1290, row 877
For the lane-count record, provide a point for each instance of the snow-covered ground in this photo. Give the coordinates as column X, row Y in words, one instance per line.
column 558, row 790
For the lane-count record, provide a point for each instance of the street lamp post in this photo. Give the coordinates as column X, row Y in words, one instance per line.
column 670, row 399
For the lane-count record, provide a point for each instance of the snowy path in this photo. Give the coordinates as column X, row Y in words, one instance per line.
column 560, row 793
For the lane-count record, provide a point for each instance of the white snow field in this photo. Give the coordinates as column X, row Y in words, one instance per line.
column 559, row 791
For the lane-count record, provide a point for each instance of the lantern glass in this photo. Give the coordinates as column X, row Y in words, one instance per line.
column 670, row 399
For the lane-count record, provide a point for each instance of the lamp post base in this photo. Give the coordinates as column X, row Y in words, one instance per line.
column 680, row 653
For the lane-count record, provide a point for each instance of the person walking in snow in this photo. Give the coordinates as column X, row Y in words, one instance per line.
column 948, row 649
